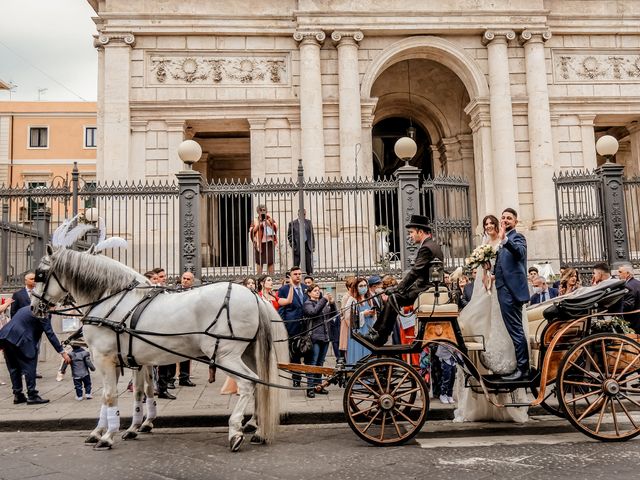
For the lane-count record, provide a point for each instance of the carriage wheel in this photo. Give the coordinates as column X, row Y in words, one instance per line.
column 386, row 402
column 599, row 387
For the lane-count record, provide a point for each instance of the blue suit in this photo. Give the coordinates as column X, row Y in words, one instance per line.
column 20, row 338
column 20, row 299
column 513, row 292
column 292, row 315
column 537, row 297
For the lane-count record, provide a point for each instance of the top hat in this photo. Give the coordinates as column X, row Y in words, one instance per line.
column 419, row 221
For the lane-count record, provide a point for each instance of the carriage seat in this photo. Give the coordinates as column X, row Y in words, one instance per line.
column 605, row 295
column 427, row 301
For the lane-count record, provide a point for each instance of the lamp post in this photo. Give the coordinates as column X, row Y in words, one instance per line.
column 189, row 185
column 607, row 146
column 409, row 196
column 405, row 149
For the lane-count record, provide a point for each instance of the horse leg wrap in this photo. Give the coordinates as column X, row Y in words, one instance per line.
column 113, row 419
column 137, row 413
column 102, row 421
column 151, row 408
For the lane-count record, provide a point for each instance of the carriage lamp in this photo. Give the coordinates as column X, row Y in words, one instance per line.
column 436, row 272
column 607, row 146
column 189, row 152
column 405, row 148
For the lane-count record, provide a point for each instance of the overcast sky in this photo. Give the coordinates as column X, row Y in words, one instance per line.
column 48, row 44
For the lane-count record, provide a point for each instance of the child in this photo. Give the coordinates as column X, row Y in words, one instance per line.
column 448, row 365
column 80, row 366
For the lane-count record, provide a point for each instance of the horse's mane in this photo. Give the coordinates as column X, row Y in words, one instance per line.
column 92, row 276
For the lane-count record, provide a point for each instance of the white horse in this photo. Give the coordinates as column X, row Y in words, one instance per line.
column 223, row 322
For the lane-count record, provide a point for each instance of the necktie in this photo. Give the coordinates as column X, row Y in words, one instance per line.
column 299, row 292
column 544, row 296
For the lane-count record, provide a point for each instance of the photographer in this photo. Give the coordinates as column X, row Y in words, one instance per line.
column 263, row 233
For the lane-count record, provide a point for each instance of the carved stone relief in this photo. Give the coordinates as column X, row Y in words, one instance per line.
column 598, row 66
column 217, row 69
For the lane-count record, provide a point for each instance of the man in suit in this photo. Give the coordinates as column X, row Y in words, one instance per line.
column 20, row 339
column 293, row 236
column 413, row 283
column 512, row 286
column 541, row 292
column 631, row 300
column 291, row 298
column 22, row 297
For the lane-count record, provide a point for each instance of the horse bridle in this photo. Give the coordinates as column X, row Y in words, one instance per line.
column 45, row 276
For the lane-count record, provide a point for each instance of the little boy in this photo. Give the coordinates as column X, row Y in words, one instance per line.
column 448, row 365
column 80, row 366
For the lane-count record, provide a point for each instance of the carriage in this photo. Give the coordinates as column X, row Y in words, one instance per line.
column 582, row 370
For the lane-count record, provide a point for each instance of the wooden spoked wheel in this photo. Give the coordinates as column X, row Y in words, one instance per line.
column 386, row 402
column 599, row 387
column 550, row 403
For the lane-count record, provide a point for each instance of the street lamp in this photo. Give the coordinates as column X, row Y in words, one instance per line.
column 405, row 149
column 189, row 152
column 607, row 146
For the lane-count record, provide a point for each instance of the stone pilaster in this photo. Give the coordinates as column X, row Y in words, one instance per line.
column 502, row 137
column 349, row 108
column 483, row 157
column 588, row 137
column 632, row 168
column 257, row 134
column 113, row 120
column 539, row 120
column 311, row 119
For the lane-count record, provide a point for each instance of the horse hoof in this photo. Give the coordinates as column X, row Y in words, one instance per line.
column 91, row 440
column 258, row 440
column 236, row 442
column 102, row 445
column 249, row 428
column 128, row 435
column 145, row 429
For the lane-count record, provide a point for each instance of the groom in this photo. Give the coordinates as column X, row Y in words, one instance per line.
column 513, row 290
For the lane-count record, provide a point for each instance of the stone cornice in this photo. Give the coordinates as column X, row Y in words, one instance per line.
column 316, row 37
column 492, row 35
column 114, row 39
column 534, row 36
column 341, row 36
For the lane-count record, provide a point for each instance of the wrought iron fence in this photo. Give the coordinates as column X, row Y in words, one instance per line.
column 356, row 226
column 598, row 213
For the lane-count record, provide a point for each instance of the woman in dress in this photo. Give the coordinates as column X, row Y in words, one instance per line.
column 358, row 309
column 345, row 328
column 482, row 316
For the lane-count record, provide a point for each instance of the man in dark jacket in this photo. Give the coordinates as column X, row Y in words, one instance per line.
column 22, row 297
column 631, row 300
column 20, row 338
column 541, row 291
column 293, row 236
column 413, row 283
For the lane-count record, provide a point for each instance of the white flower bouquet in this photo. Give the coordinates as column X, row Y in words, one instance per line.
column 481, row 256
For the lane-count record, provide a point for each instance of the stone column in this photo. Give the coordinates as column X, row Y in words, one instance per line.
column 349, row 93
column 539, row 119
column 588, row 135
column 483, row 158
column 503, row 143
column 311, row 119
column 257, row 133
column 114, row 105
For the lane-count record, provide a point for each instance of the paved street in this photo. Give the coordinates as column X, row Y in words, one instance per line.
column 547, row 448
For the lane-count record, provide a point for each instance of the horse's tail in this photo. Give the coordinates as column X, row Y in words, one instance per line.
column 267, row 398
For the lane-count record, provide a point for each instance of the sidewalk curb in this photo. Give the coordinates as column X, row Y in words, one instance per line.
column 195, row 421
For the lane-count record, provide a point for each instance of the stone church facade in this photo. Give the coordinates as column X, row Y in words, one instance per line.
column 505, row 92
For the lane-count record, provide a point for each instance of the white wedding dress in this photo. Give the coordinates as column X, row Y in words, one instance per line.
column 482, row 316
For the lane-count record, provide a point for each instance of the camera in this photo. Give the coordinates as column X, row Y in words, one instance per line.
column 263, row 216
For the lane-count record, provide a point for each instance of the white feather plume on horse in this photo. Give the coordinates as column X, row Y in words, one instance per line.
column 63, row 237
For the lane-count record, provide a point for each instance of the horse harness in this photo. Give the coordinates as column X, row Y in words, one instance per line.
column 120, row 327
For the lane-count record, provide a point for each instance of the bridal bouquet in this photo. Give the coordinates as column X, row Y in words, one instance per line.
column 482, row 255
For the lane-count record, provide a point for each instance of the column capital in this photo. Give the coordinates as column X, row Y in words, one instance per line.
column 118, row 39
column 502, row 36
column 633, row 127
column 535, row 36
column 586, row 119
column 347, row 37
column 256, row 123
column 316, row 37
column 177, row 126
column 139, row 125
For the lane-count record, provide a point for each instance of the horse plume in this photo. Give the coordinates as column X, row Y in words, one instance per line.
column 104, row 242
column 63, row 237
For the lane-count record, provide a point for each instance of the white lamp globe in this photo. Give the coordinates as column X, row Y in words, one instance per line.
column 405, row 148
column 189, row 152
column 91, row 214
column 607, row 146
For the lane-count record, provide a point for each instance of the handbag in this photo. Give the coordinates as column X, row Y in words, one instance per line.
column 302, row 343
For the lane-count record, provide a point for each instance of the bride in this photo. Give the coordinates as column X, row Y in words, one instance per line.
column 482, row 316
